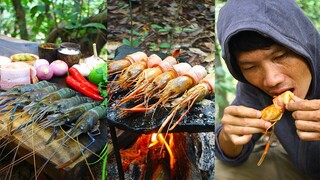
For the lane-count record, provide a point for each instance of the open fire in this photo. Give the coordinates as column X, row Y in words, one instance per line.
column 161, row 156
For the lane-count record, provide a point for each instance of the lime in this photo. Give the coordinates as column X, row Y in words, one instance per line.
column 99, row 74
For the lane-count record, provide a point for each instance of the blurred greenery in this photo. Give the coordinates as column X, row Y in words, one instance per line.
column 225, row 83
column 41, row 17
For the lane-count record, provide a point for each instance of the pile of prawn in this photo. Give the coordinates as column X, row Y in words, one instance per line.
column 30, row 109
column 155, row 83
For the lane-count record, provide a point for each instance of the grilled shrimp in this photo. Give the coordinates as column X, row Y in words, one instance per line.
column 117, row 66
column 180, row 84
column 162, row 80
column 128, row 76
column 273, row 114
column 196, row 93
column 147, row 76
column 171, row 90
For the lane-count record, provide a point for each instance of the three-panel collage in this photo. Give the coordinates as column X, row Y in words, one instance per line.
column 160, row 90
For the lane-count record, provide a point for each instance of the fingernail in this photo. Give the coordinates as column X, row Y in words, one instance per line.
column 267, row 124
column 259, row 114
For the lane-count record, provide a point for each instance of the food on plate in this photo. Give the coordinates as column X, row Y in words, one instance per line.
column 25, row 57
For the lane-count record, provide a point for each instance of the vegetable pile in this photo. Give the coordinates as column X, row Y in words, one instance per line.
column 45, row 70
column 76, row 81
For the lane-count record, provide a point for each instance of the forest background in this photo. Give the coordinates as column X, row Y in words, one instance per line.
column 225, row 83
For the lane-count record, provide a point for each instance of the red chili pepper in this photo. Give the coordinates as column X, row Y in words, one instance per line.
column 72, row 82
column 78, row 76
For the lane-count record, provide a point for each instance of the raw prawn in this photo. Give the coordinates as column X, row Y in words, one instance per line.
column 34, row 107
column 69, row 116
column 273, row 114
column 32, row 96
column 86, row 123
column 117, row 66
column 18, row 90
column 196, row 93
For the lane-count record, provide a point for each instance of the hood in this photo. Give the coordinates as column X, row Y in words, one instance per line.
column 283, row 21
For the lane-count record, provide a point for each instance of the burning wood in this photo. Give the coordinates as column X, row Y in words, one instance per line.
column 161, row 157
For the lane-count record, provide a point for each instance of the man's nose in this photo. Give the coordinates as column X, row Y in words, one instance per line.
column 272, row 77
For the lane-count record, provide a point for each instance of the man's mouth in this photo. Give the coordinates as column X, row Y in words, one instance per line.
column 280, row 91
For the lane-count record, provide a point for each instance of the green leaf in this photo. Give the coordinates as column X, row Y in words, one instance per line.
column 165, row 45
column 126, row 42
column 136, row 42
column 156, row 26
column 95, row 25
column 188, row 30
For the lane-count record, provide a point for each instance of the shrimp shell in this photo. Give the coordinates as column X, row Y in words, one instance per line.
column 87, row 121
column 69, row 115
column 196, row 93
column 182, row 83
column 118, row 65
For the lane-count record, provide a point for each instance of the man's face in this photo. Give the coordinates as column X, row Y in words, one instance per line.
column 276, row 70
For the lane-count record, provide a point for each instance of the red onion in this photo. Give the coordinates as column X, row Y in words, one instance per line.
column 39, row 62
column 44, row 72
column 59, row 67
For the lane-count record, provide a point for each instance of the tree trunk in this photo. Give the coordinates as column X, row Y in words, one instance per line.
column 20, row 19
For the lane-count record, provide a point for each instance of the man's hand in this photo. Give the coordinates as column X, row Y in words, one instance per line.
column 307, row 118
column 239, row 123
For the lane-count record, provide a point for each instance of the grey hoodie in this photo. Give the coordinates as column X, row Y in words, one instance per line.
column 283, row 21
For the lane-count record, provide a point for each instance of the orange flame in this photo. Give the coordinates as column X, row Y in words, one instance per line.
column 159, row 138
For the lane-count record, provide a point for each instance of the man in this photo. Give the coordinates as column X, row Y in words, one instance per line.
column 269, row 47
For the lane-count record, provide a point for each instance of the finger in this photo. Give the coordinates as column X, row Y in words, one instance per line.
column 307, row 105
column 242, row 130
column 307, row 115
column 296, row 99
column 245, row 122
column 242, row 111
column 240, row 140
column 308, row 136
column 310, row 126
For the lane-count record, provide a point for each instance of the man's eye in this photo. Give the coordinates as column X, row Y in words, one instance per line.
column 246, row 68
column 281, row 56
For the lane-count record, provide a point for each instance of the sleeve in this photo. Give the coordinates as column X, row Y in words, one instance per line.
column 247, row 149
